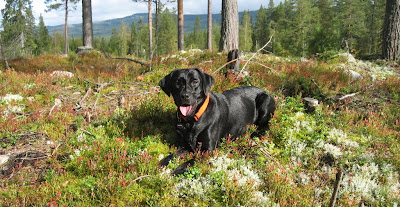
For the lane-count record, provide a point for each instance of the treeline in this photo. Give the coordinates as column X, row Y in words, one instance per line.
column 297, row 28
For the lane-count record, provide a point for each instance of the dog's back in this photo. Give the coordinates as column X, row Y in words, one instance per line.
column 248, row 105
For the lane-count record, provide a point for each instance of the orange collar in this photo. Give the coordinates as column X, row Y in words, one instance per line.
column 199, row 113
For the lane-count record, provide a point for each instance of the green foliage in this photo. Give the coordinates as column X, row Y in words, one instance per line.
column 246, row 32
column 19, row 26
column 42, row 38
column 167, row 34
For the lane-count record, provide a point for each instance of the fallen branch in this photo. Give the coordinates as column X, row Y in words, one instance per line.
column 133, row 60
column 79, row 104
column 269, row 41
column 348, row 96
column 273, row 70
column 57, row 102
column 339, row 176
column 234, row 60
column 141, row 177
column 273, row 159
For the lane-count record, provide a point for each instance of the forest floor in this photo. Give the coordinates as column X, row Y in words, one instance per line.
column 85, row 130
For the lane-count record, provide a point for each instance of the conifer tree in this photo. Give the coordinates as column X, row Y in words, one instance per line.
column 229, row 26
column 246, row 32
column 123, row 39
column 197, row 33
column 167, row 32
column 260, row 28
column 18, row 28
column 65, row 4
column 42, row 38
column 133, row 42
column 114, row 43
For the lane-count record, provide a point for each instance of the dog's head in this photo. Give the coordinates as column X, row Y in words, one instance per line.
column 188, row 87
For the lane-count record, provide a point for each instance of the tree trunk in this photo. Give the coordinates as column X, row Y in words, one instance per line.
column 229, row 26
column 181, row 41
column 3, row 55
column 150, row 31
column 391, row 31
column 66, row 28
column 87, row 26
column 209, row 26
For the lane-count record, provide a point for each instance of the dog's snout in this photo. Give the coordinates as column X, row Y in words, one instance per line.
column 185, row 96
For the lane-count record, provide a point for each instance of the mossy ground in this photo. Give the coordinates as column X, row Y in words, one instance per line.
column 105, row 150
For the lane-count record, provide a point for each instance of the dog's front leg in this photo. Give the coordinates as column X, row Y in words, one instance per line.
column 166, row 160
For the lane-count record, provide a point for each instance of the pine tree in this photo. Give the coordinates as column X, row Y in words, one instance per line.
column 260, row 29
column 304, row 21
column 391, row 31
column 114, row 43
column 167, row 32
column 42, row 38
column 19, row 27
column 181, row 34
column 229, row 26
column 133, row 46
column 352, row 20
column 150, row 26
column 143, row 38
column 246, row 32
column 216, row 35
column 325, row 35
column 123, row 39
column 197, row 36
column 87, row 25
column 55, row 5
column 209, row 25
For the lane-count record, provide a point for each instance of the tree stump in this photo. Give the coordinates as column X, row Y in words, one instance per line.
column 233, row 57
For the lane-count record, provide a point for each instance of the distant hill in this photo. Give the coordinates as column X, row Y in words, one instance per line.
column 104, row 28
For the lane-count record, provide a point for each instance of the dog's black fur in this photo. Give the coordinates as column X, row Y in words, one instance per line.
column 227, row 114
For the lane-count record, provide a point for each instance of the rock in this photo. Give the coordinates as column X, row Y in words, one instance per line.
column 354, row 75
column 83, row 49
column 348, row 57
column 311, row 104
column 303, row 59
column 62, row 74
column 4, row 159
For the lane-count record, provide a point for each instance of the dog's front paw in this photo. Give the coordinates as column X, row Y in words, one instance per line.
column 166, row 160
column 183, row 168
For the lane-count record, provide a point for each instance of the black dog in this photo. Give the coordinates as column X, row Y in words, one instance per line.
column 205, row 117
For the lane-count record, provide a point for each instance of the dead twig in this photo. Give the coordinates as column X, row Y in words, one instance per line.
column 79, row 104
column 339, row 176
column 234, row 60
column 141, row 177
column 348, row 96
column 269, row 41
column 273, row 70
column 273, row 159
column 130, row 59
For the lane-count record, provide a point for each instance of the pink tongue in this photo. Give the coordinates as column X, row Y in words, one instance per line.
column 185, row 110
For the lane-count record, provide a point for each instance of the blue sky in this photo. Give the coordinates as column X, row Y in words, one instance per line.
column 109, row 9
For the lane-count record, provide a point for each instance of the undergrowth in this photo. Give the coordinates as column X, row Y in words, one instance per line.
column 105, row 150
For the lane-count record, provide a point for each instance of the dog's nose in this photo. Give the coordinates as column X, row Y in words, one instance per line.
column 185, row 96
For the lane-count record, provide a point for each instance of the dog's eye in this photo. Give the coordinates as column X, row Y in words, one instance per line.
column 177, row 84
column 195, row 82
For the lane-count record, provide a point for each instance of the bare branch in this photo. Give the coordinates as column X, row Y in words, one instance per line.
column 234, row 60
column 269, row 41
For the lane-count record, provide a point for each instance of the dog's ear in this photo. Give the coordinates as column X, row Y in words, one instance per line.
column 206, row 80
column 165, row 83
